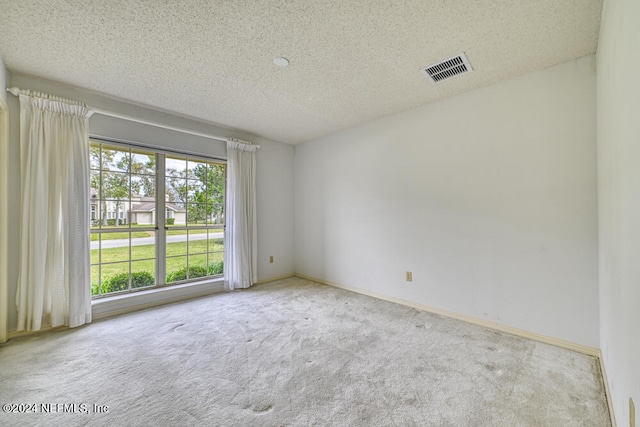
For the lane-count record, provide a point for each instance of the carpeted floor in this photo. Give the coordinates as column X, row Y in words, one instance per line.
column 295, row 353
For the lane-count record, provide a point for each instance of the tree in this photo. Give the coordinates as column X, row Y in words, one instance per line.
column 111, row 170
column 200, row 190
column 148, row 180
column 115, row 186
column 100, row 160
column 144, row 172
column 177, row 186
column 210, row 195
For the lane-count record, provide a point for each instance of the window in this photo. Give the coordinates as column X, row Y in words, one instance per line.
column 194, row 190
column 129, row 251
column 123, row 255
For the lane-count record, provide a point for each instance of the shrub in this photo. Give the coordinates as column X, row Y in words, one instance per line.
column 171, row 221
column 140, row 279
column 111, row 222
column 194, row 272
column 216, row 267
column 120, row 282
column 94, row 288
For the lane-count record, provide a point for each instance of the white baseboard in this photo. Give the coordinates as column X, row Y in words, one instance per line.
column 607, row 390
column 44, row 329
column 591, row 351
column 274, row 278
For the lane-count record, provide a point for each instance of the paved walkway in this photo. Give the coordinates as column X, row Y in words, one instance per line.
column 141, row 241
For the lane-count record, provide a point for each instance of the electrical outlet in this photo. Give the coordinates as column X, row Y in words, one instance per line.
column 632, row 413
column 409, row 276
column 271, row 259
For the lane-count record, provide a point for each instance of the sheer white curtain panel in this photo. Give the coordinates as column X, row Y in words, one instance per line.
column 241, row 259
column 54, row 276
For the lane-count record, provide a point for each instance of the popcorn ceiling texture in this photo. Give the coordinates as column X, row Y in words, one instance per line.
column 296, row 353
column 351, row 61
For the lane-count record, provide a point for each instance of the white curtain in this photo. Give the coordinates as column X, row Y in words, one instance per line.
column 54, row 276
column 240, row 248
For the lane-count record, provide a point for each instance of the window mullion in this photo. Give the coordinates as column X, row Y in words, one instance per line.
column 161, row 229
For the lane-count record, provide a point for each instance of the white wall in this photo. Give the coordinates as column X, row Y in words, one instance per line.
column 489, row 198
column 274, row 171
column 275, row 209
column 619, row 199
column 3, row 81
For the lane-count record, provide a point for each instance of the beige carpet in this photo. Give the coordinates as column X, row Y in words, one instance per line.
column 295, row 353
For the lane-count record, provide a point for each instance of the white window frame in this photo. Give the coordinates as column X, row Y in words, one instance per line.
column 187, row 228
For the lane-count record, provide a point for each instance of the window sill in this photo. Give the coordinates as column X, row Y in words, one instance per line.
column 125, row 303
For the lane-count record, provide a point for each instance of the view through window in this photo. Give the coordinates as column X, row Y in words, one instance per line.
column 129, row 251
column 194, row 191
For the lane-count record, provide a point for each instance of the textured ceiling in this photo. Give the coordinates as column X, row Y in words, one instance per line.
column 351, row 61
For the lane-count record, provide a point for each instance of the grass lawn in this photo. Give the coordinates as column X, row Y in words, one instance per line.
column 171, row 232
column 143, row 258
column 121, row 235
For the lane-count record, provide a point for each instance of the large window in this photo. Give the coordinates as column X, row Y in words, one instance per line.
column 129, row 251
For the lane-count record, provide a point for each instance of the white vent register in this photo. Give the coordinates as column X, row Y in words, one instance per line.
column 448, row 69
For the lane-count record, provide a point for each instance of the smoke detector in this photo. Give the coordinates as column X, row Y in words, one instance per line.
column 281, row 61
column 448, row 68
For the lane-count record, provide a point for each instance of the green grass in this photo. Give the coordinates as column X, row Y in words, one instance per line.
column 171, row 232
column 121, row 235
column 143, row 258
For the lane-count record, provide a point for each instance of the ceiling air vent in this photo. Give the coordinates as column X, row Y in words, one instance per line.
column 447, row 69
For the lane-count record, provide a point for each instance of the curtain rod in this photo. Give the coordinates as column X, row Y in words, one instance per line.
column 16, row 91
column 158, row 125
